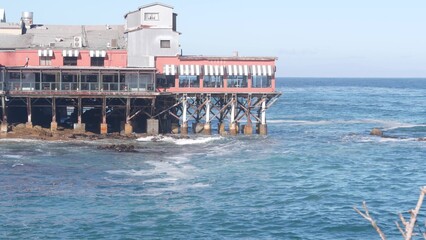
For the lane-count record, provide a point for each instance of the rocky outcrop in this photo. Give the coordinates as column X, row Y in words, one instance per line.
column 118, row 147
column 376, row 132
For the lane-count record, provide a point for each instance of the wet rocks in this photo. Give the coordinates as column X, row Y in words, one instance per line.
column 118, row 147
column 376, row 132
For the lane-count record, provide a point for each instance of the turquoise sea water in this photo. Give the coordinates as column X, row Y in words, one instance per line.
column 299, row 182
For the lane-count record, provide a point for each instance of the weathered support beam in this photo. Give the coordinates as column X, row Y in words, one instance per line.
column 53, row 124
column 29, row 123
column 248, row 128
column 184, row 127
column 128, row 128
column 79, row 127
column 207, row 126
column 233, row 130
column 3, row 127
column 263, row 128
column 104, row 125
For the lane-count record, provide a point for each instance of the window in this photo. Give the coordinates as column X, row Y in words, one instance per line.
column 97, row 61
column 70, row 61
column 152, row 17
column 261, row 81
column 165, row 43
column 189, row 81
column 45, row 61
column 237, row 81
column 213, row 81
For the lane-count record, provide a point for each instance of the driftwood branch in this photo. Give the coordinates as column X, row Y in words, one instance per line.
column 367, row 216
column 414, row 212
column 407, row 232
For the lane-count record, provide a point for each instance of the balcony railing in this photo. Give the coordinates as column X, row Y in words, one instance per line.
column 69, row 86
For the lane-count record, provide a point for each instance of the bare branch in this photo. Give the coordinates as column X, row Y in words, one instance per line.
column 367, row 216
column 400, row 229
column 414, row 212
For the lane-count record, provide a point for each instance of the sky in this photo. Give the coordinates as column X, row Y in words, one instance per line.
column 310, row 38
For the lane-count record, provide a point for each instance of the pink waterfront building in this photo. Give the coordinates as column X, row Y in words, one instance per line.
column 132, row 74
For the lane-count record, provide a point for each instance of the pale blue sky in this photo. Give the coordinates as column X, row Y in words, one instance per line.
column 311, row 38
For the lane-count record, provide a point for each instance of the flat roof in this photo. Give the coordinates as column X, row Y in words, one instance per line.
column 226, row 58
column 62, row 36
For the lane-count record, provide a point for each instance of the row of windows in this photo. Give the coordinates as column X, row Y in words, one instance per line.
column 215, row 82
column 72, row 61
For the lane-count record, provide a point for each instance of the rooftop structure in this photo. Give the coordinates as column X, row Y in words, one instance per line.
column 133, row 71
column 2, row 15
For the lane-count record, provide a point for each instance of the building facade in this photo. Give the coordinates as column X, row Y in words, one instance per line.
column 127, row 78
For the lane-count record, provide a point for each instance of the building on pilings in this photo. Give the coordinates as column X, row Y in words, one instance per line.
column 128, row 78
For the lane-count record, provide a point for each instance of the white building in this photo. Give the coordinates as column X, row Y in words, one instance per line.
column 151, row 31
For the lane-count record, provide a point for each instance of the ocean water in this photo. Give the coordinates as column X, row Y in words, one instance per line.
column 299, row 182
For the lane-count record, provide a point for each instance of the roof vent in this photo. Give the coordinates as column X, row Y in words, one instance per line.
column 27, row 18
column 78, row 42
column 114, row 43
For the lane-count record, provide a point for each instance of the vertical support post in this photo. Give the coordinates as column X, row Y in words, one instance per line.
column 233, row 126
column 79, row 110
column 184, row 127
column 104, row 126
column 79, row 127
column 207, row 126
column 221, row 126
column 128, row 129
column 53, row 124
column 248, row 128
column 3, row 128
column 263, row 129
column 29, row 123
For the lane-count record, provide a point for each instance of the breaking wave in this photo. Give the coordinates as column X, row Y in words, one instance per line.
column 179, row 141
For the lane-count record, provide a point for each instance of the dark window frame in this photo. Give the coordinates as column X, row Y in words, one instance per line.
column 165, row 44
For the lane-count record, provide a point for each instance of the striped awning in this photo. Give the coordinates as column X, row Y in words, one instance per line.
column 70, row 53
column 169, row 70
column 238, row 70
column 261, row 70
column 45, row 53
column 97, row 53
column 189, row 70
column 214, row 70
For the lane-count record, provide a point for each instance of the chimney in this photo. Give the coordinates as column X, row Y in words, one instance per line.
column 27, row 19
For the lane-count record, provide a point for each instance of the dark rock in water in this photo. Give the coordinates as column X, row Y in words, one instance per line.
column 119, row 147
column 376, row 132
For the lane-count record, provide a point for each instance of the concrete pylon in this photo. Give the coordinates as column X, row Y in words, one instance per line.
column 248, row 129
column 263, row 129
column 184, row 129
column 152, row 127
column 53, row 126
column 207, row 129
column 128, row 129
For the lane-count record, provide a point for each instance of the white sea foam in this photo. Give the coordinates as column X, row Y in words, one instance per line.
column 17, row 164
column 386, row 124
column 130, row 172
column 401, row 125
column 13, row 156
column 180, row 141
column 172, row 188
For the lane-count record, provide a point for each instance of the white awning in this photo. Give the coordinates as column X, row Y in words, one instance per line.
column 187, row 70
column 70, row 53
column 97, row 53
column 169, row 70
column 261, row 70
column 238, row 70
column 214, row 70
column 45, row 53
